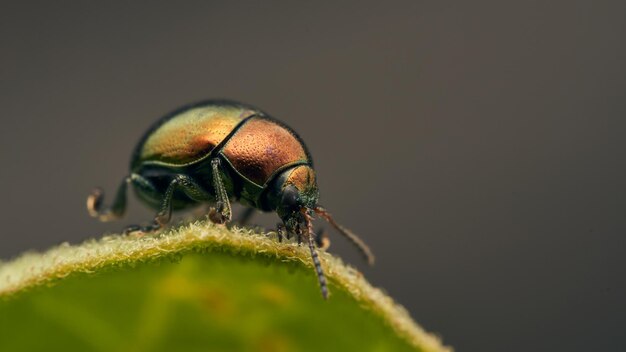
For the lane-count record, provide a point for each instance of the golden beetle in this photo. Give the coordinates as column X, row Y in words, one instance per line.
column 218, row 150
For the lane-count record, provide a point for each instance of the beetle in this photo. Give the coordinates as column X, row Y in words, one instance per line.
column 217, row 150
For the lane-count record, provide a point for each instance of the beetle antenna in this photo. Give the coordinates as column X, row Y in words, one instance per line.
column 356, row 240
column 321, row 278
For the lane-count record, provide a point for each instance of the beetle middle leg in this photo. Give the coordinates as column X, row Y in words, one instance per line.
column 222, row 212
column 180, row 183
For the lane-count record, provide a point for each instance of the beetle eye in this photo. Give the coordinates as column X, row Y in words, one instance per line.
column 291, row 197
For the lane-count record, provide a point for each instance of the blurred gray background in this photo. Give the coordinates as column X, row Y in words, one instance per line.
column 477, row 146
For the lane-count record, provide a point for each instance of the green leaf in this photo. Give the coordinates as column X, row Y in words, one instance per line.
column 200, row 287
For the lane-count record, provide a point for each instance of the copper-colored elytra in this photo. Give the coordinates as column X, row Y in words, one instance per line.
column 191, row 135
column 260, row 147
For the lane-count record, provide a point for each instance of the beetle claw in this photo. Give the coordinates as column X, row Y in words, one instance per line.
column 216, row 217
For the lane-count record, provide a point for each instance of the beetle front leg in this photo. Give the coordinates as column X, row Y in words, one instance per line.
column 282, row 233
column 280, row 229
column 222, row 212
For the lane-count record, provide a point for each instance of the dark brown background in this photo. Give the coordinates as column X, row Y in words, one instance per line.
column 479, row 147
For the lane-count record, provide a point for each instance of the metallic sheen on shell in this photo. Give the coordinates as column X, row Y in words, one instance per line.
column 191, row 135
column 256, row 146
column 261, row 147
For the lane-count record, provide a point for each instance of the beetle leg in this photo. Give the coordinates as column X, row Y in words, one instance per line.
column 321, row 239
column 282, row 233
column 154, row 226
column 96, row 199
column 222, row 212
column 280, row 228
column 182, row 183
column 299, row 238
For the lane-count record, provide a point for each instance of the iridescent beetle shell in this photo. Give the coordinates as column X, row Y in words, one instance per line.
column 189, row 135
column 253, row 145
column 215, row 151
